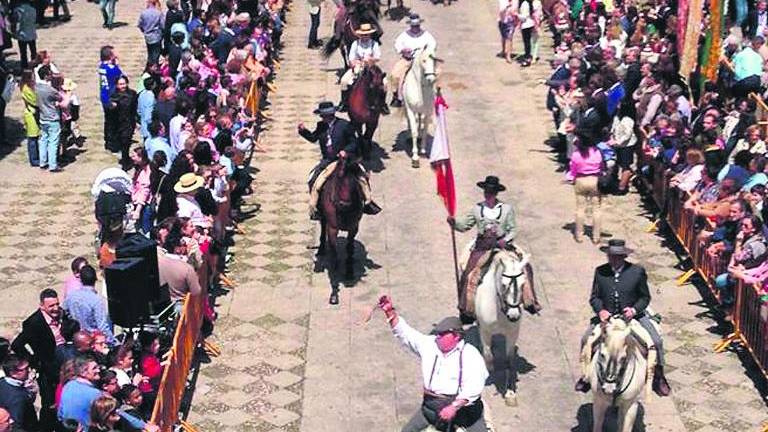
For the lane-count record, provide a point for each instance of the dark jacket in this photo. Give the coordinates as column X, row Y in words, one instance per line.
column 222, row 44
column 125, row 111
column 19, row 403
column 343, row 137
column 631, row 290
column 749, row 27
column 36, row 333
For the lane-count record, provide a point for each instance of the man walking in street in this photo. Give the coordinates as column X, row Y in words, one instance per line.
column 151, row 23
column 109, row 72
column 454, row 374
column 314, row 17
column 25, row 30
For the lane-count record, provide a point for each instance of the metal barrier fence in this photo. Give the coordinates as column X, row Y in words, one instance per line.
column 186, row 338
column 750, row 314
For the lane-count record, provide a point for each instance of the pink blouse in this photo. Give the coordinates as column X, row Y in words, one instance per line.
column 582, row 166
column 140, row 193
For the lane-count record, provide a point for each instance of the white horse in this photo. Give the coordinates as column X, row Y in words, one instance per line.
column 618, row 375
column 498, row 307
column 419, row 98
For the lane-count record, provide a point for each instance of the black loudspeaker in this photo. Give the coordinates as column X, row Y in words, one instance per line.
column 138, row 246
column 128, row 291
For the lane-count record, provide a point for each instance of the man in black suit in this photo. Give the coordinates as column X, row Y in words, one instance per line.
column 338, row 140
column 40, row 334
column 757, row 20
column 621, row 288
column 15, row 396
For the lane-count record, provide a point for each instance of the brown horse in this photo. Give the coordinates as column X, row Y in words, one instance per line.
column 341, row 208
column 348, row 19
column 365, row 103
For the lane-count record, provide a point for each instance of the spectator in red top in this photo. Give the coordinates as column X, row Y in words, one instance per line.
column 150, row 368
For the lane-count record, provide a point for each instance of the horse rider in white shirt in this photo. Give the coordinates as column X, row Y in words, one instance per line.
column 453, row 374
column 364, row 52
column 407, row 42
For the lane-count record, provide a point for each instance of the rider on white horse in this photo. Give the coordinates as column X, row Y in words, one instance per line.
column 496, row 230
column 407, row 42
column 453, row 374
column 621, row 288
column 364, row 52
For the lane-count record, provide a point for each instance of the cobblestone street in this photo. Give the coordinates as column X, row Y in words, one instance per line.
column 290, row 361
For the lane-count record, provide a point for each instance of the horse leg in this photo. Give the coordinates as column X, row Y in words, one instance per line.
column 321, row 249
column 626, row 417
column 370, row 130
column 599, row 408
column 331, row 235
column 414, row 129
column 510, row 396
column 350, row 260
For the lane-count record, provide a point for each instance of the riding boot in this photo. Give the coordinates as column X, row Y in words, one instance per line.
column 660, row 384
column 343, row 105
column 582, row 385
column 371, row 208
column 383, row 104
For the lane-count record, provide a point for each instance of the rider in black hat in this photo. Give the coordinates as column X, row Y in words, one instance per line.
column 496, row 229
column 338, row 140
column 621, row 288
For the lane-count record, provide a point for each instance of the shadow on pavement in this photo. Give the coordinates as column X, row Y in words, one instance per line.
column 584, row 418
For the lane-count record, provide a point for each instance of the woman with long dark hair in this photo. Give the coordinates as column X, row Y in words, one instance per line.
column 123, row 103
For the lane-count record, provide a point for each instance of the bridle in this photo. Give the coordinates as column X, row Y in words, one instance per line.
column 616, row 381
column 512, row 287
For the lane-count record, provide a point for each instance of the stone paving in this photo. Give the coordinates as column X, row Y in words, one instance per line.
column 291, row 362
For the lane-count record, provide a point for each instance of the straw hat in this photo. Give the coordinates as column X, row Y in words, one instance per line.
column 69, row 85
column 189, row 182
column 365, row 29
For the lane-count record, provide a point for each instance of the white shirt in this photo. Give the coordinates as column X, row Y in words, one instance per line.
column 174, row 132
column 122, row 376
column 188, row 207
column 527, row 11
column 407, row 41
column 360, row 50
column 440, row 371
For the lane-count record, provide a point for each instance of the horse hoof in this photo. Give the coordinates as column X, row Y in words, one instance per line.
column 511, row 401
column 333, row 299
column 415, row 163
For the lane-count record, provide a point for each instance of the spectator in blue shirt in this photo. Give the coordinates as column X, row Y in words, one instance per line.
column 151, row 23
column 158, row 141
column 79, row 393
column 109, row 72
column 747, row 69
column 145, row 106
column 89, row 308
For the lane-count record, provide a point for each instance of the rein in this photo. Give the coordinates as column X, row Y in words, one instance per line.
column 619, row 390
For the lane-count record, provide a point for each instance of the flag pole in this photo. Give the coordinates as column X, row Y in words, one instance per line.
column 455, row 259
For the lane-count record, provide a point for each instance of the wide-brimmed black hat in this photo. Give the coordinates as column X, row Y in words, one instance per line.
column 448, row 324
column 616, row 247
column 492, row 183
column 325, row 108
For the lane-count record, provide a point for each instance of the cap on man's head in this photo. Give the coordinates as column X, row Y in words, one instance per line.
column 448, row 324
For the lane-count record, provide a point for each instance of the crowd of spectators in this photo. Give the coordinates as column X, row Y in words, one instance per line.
column 196, row 110
column 622, row 110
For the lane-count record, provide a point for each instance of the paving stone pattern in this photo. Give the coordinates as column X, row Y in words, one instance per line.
column 289, row 361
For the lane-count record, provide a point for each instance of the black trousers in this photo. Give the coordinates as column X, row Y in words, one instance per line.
column 25, row 46
column 527, row 32
column 746, row 86
column 48, row 418
column 314, row 25
column 110, row 125
column 153, row 52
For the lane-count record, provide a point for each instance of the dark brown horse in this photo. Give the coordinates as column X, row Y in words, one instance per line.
column 341, row 208
column 366, row 99
column 348, row 19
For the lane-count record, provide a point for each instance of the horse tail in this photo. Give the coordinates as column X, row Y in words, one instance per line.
column 330, row 47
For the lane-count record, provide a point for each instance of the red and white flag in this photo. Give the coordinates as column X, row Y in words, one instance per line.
column 440, row 158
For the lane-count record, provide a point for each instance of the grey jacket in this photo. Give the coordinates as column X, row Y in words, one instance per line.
column 47, row 102
column 25, row 28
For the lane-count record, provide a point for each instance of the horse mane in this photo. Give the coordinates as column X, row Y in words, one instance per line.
column 616, row 335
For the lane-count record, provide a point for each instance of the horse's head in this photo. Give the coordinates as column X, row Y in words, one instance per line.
column 613, row 354
column 510, row 278
column 424, row 64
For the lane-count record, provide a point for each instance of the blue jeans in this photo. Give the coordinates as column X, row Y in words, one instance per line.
column 32, row 151
column 48, row 145
column 108, row 11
